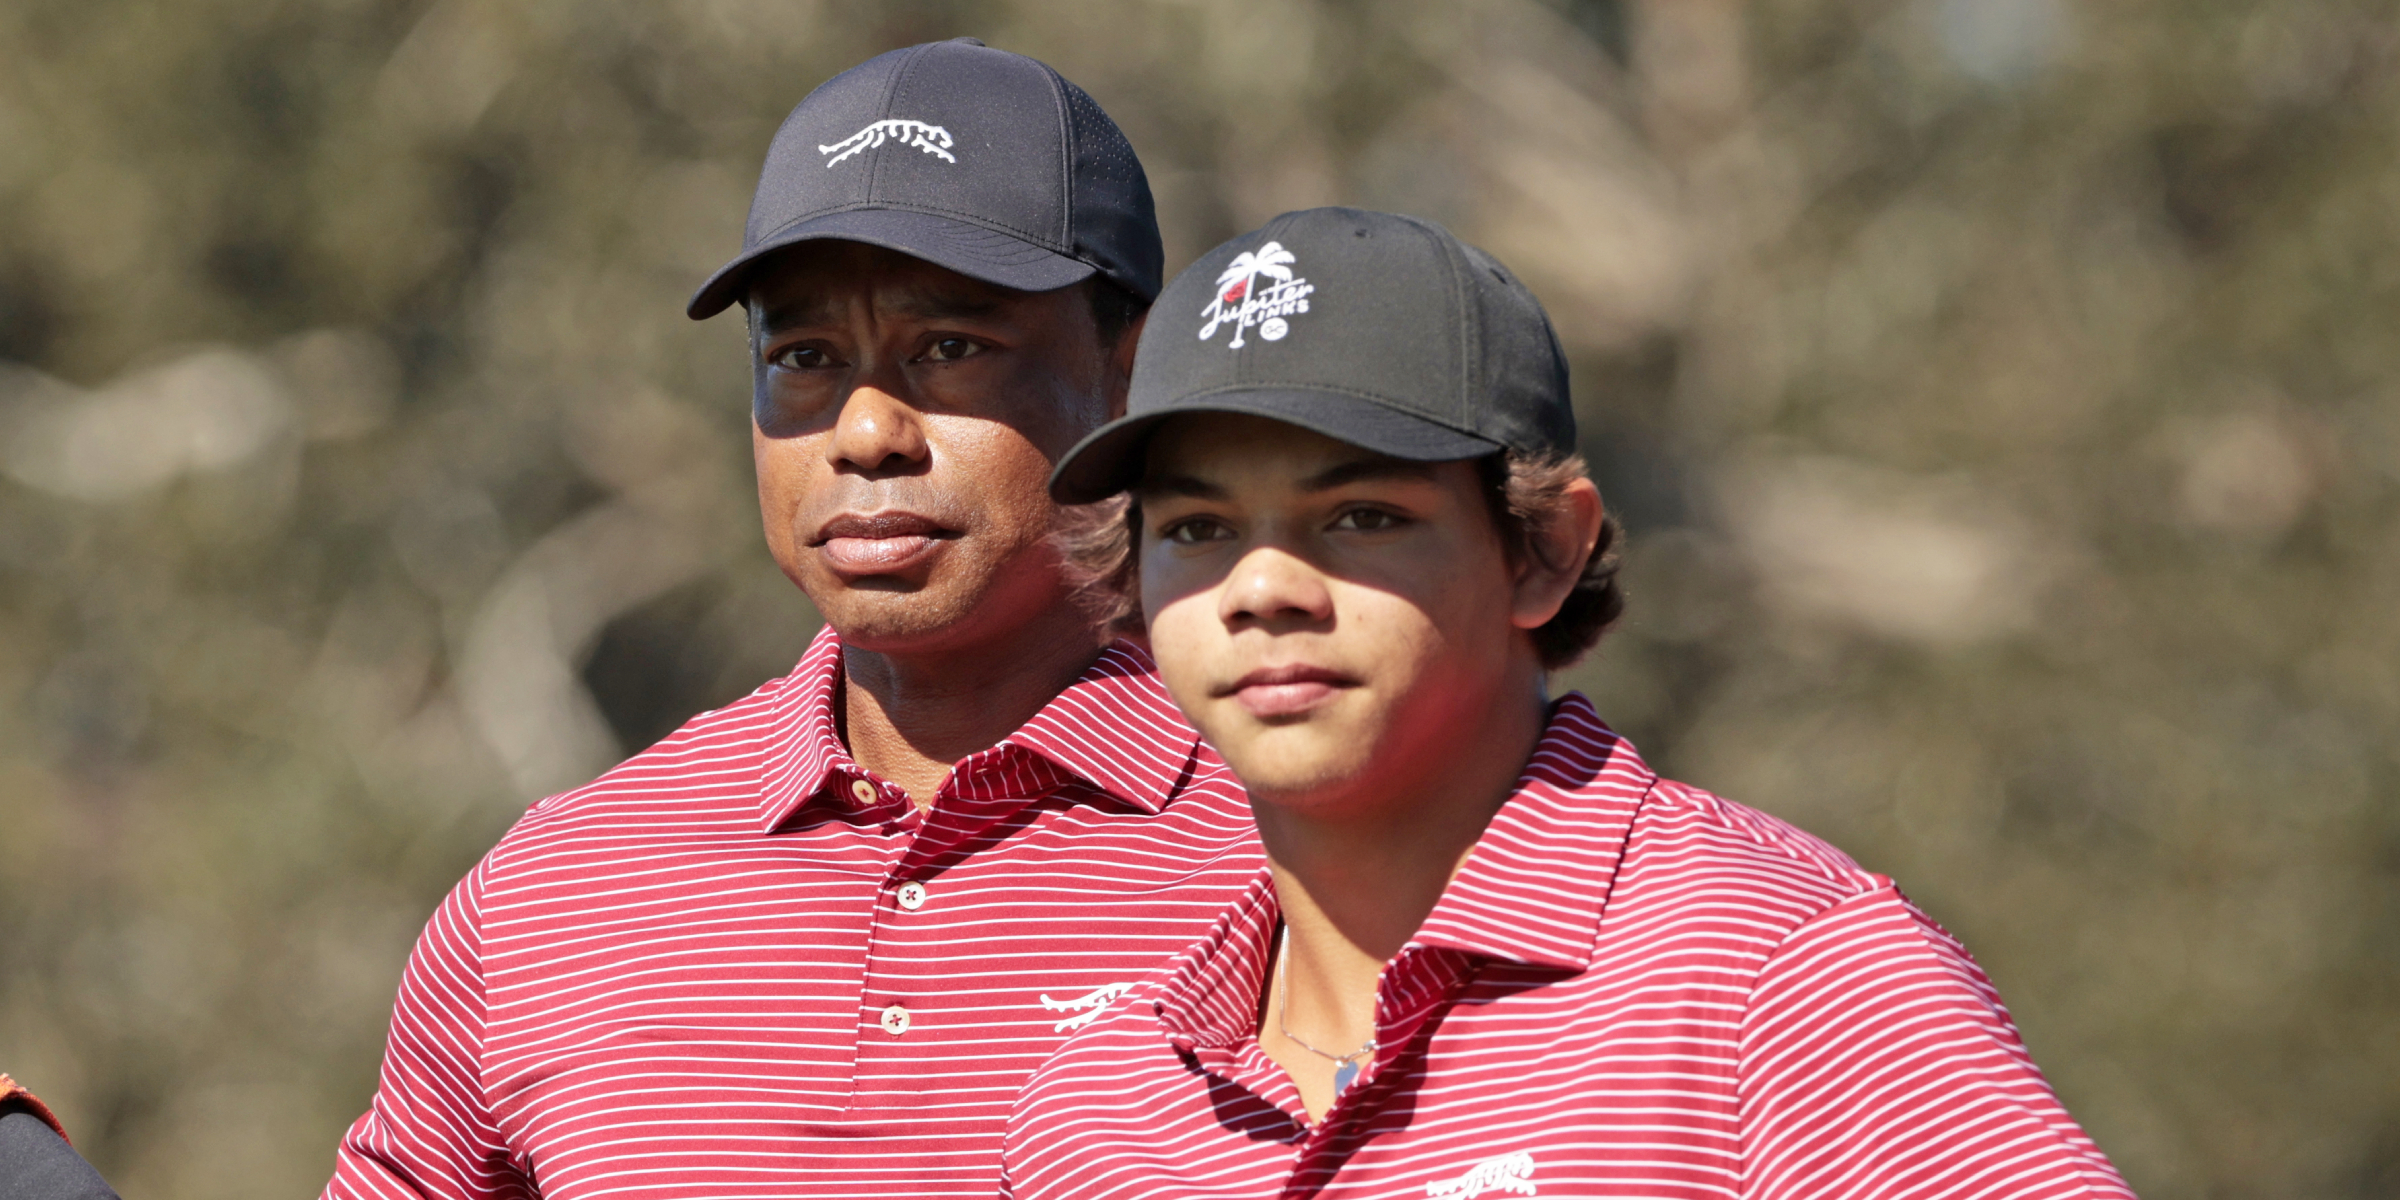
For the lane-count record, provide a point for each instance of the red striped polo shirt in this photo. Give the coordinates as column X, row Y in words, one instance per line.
column 1631, row 988
column 741, row 965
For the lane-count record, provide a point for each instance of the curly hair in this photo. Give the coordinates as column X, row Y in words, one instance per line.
column 1525, row 494
column 1528, row 493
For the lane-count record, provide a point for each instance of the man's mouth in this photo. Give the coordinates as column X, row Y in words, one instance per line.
column 877, row 543
column 1286, row 691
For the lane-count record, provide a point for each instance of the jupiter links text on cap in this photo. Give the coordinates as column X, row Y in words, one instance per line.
column 1241, row 302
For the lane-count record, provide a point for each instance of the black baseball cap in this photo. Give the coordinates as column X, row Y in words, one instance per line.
column 978, row 160
column 1379, row 330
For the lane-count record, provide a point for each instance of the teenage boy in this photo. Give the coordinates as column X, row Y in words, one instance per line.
column 813, row 942
column 1493, row 953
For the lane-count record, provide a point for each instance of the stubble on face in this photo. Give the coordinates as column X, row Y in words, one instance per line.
column 905, row 422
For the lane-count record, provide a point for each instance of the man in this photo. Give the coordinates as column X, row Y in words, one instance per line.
column 812, row 943
column 1494, row 954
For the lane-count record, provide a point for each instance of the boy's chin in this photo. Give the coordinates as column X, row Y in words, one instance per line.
column 1300, row 765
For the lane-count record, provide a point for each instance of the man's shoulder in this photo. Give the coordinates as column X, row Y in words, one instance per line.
column 705, row 773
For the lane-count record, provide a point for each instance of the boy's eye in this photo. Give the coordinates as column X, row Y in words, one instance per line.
column 951, row 349
column 1191, row 531
column 801, row 358
column 1369, row 520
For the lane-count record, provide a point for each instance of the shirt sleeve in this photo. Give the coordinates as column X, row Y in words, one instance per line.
column 15, row 1098
column 1878, row 1061
column 37, row 1164
column 430, row 1132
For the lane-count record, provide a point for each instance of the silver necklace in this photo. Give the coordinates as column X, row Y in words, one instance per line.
column 1345, row 1066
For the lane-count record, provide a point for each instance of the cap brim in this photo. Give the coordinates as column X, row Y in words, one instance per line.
column 1110, row 460
column 971, row 250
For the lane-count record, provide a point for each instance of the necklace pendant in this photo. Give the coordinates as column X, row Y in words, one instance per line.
column 1344, row 1074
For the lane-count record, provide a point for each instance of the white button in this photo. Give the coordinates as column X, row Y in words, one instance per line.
column 863, row 790
column 895, row 1020
column 912, row 895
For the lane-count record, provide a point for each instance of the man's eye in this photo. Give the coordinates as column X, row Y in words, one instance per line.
column 1369, row 520
column 1191, row 531
column 801, row 358
column 951, row 349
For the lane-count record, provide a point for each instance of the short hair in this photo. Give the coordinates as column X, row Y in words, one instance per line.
column 1114, row 309
column 1525, row 494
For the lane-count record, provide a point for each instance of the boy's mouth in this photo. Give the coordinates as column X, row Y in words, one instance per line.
column 1286, row 691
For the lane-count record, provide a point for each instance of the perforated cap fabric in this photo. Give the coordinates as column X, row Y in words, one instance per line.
column 975, row 159
column 1380, row 330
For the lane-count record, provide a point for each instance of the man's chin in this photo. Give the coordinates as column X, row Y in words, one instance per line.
column 961, row 601
column 891, row 622
column 889, row 613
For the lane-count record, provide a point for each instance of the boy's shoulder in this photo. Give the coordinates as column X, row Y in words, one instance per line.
column 1671, row 875
column 1684, row 844
column 1680, row 818
column 1711, row 868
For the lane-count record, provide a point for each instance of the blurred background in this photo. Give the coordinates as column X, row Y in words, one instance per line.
column 2001, row 395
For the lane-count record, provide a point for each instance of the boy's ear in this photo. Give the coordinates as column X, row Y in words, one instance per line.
column 1561, row 545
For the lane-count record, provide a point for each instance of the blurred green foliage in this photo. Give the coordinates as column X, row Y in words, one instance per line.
column 2001, row 394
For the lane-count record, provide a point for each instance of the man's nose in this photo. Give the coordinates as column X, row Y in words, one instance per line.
column 1272, row 586
column 876, row 433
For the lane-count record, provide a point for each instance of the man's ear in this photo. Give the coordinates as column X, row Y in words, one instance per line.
column 1561, row 545
column 1120, row 364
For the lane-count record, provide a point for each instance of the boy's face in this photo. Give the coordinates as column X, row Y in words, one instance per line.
column 1334, row 620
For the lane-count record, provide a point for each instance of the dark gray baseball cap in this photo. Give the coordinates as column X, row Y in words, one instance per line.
column 1379, row 330
column 978, row 160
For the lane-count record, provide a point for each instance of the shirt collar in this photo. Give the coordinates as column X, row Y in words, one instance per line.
column 1117, row 728
column 1210, row 997
column 1531, row 891
column 1114, row 728
column 1533, row 887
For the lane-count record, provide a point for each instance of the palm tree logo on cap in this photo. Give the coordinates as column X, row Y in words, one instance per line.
column 1240, row 302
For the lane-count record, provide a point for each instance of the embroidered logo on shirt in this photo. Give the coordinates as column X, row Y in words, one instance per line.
column 1242, row 302
column 1086, row 1007
column 932, row 139
column 1510, row 1173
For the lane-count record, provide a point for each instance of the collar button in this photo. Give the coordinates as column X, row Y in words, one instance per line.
column 863, row 790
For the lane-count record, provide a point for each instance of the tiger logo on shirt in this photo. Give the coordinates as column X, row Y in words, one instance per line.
column 1086, row 1007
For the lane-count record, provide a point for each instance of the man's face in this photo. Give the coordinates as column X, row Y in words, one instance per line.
column 906, row 418
column 1332, row 619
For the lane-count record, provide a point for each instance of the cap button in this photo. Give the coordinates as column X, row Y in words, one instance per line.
column 968, row 41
